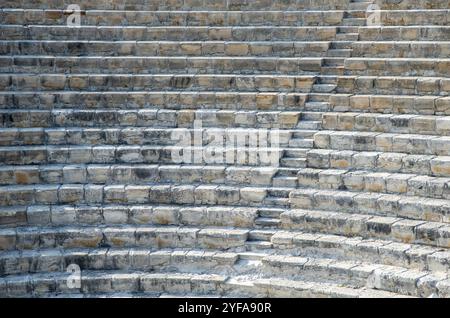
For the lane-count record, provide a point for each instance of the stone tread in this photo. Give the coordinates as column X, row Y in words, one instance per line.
column 114, row 282
column 391, row 205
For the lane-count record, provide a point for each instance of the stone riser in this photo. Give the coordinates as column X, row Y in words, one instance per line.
column 406, row 33
column 138, row 259
column 379, row 182
column 415, row 17
column 144, row 118
column 139, row 5
column 391, row 104
column 379, row 161
column 44, row 284
column 413, row 4
column 367, row 226
column 220, row 18
column 135, row 154
column 129, row 135
column 175, row 18
column 388, row 278
column 398, row 49
column 355, row 249
column 122, row 236
column 123, row 284
column 384, row 142
column 166, row 48
column 159, row 100
column 309, row 269
column 390, row 205
column 401, row 124
column 398, row 67
column 137, row 174
column 131, row 82
column 49, row 32
column 394, row 85
column 115, row 214
column 159, row 65
column 135, row 194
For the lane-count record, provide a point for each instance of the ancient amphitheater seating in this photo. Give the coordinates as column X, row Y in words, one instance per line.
column 357, row 204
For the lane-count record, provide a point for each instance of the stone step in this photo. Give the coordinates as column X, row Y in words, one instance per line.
column 301, row 289
column 323, row 88
column 390, row 104
column 382, row 277
column 150, row 193
column 126, row 259
column 330, row 80
column 303, row 133
column 301, row 143
column 319, row 97
column 354, row 21
column 401, row 49
column 403, row 33
column 309, row 125
column 162, row 100
column 127, row 136
column 355, row 13
column 341, row 45
column 171, row 33
column 380, row 182
column 347, row 37
column 414, row 17
column 288, row 182
column 165, row 48
column 332, row 70
column 386, row 205
column 125, row 154
column 422, row 87
column 339, row 53
column 416, row 4
column 270, row 212
column 424, row 67
column 257, row 246
column 135, row 173
column 156, row 82
column 119, row 283
column 165, row 135
column 359, row 5
column 293, row 162
column 266, row 222
column 40, row 122
column 346, row 29
column 122, row 236
column 276, row 201
column 175, row 18
column 296, row 153
column 387, row 123
column 379, row 161
column 342, row 248
column 133, row 214
column 317, row 106
column 365, row 225
column 189, row 5
column 157, row 65
column 97, row 282
column 333, row 61
column 415, row 144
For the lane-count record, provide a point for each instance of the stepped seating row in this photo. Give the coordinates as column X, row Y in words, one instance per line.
column 166, row 48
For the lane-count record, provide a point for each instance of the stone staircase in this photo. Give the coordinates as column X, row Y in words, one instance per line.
column 94, row 204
